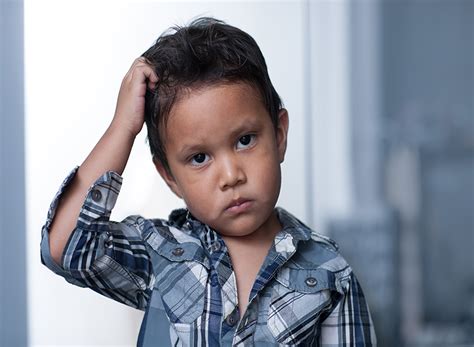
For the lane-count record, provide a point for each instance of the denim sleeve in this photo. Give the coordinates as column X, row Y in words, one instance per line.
column 109, row 257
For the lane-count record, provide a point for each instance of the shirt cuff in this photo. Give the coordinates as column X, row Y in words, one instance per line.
column 100, row 200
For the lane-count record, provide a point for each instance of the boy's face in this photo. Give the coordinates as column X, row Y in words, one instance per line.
column 224, row 155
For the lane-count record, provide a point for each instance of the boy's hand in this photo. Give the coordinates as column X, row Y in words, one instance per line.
column 109, row 154
column 129, row 113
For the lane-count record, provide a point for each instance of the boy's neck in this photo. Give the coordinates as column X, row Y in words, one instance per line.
column 248, row 253
column 263, row 236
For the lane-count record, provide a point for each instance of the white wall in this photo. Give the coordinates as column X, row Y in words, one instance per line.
column 330, row 129
column 76, row 54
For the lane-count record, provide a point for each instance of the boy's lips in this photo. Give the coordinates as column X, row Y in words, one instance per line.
column 238, row 205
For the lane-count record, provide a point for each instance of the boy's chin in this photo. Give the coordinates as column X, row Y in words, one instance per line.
column 248, row 225
column 237, row 227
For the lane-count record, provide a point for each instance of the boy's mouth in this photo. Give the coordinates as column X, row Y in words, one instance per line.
column 238, row 205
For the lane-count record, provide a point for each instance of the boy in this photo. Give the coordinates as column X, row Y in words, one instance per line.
column 230, row 269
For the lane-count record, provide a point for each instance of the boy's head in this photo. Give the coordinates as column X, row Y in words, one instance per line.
column 206, row 52
column 216, row 127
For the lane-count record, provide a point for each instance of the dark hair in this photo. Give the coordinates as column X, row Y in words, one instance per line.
column 204, row 53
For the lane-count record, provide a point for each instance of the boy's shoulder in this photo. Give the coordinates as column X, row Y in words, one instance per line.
column 320, row 252
column 316, row 263
column 314, row 250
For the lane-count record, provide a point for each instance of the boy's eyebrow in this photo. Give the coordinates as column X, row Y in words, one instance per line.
column 247, row 126
column 189, row 149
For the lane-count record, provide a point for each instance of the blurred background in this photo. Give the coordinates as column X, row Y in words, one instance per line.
column 381, row 149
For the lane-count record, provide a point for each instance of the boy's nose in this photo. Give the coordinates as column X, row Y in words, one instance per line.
column 231, row 173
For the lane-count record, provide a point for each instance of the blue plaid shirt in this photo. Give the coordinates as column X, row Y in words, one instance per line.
column 179, row 272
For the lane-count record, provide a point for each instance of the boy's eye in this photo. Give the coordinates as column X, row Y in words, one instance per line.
column 199, row 159
column 246, row 141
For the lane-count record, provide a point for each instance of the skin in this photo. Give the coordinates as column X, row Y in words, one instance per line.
column 223, row 150
column 221, row 146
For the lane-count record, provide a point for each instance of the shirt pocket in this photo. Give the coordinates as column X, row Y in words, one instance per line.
column 300, row 297
column 182, row 288
column 181, row 275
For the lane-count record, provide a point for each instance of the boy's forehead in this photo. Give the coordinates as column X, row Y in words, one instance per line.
column 200, row 91
column 234, row 96
column 222, row 107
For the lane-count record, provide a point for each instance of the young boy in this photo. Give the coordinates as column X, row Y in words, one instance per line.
column 230, row 269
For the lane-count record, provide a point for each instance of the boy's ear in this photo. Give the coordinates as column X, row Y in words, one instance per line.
column 167, row 177
column 282, row 133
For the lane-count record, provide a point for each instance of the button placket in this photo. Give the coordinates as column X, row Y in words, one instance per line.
column 246, row 320
column 232, row 318
column 214, row 280
column 249, row 315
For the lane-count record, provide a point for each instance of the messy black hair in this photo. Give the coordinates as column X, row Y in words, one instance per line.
column 204, row 53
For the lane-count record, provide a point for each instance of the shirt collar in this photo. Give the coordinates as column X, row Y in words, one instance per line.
column 293, row 230
column 183, row 219
column 298, row 231
column 293, row 226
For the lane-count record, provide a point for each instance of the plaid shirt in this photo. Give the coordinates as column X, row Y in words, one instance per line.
column 179, row 272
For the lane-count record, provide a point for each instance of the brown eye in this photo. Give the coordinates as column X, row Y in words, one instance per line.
column 199, row 159
column 245, row 141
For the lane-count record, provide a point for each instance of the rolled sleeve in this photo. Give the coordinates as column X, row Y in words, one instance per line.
column 45, row 251
column 106, row 256
column 100, row 200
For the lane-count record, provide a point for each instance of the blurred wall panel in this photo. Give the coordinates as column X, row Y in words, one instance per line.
column 428, row 109
column 13, row 310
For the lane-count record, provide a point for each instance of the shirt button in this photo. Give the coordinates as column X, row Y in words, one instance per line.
column 233, row 318
column 96, row 195
column 311, row 281
column 216, row 246
column 109, row 243
column 214, row 280
column 178, row 251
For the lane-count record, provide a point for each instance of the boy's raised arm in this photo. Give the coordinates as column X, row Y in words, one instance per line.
column 109, row 154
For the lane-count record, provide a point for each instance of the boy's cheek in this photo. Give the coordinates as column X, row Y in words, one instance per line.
column 197, row 202
column 267, row 165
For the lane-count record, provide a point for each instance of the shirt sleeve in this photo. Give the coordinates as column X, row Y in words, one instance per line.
column 349, row 323
column 109, row 257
